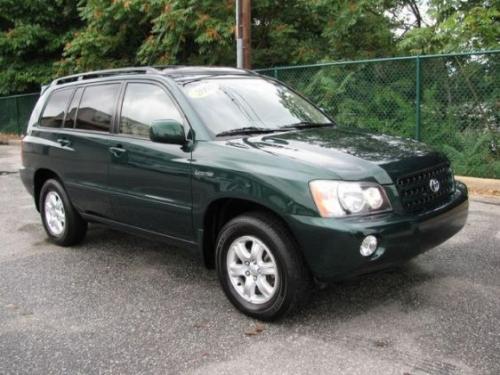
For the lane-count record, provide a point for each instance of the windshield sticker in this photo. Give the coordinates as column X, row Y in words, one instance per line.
column 202, row 90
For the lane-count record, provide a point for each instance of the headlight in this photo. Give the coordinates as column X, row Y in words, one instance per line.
column 338, row 198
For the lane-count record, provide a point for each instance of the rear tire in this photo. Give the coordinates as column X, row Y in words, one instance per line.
column 260, row 267
column 63, row 224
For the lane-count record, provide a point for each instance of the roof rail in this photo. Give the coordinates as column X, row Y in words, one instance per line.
column 104, row 73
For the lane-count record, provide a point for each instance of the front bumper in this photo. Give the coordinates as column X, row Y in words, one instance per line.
column 331, row 246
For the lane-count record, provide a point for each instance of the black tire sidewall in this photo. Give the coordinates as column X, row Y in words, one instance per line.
column 75, row 227
column 53, row 185
column 250, row 226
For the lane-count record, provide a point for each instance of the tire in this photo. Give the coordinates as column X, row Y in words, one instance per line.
column 63, row 224
column 285, row 290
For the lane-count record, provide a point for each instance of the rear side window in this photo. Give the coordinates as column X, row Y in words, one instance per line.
column 144, row 103
column 96, row 107
column 53, row 114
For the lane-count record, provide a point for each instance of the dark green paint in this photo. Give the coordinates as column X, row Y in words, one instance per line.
column 166, row 189
column 167, row 131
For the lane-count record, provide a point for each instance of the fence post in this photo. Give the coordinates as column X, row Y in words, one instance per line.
column 275, row 73
column 417, row 97
column 16, row 98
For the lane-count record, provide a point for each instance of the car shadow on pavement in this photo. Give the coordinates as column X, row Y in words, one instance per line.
column 177, row 263
column 358, row 295
column 338, row 301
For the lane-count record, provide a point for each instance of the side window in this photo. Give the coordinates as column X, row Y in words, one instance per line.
column 144, row 103
column 69, row 121
column 96, row 107
column 53, row 114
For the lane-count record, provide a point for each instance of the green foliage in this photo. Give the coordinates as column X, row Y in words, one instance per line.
column 471, row 155
column 375, row 96
column 190, row 32
column 32, row 37
column 134, row 32
column 457, row 25
column 40, row 40
column 130, row 32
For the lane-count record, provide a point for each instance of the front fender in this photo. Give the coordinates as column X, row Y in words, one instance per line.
column 226, row 170
column 284, row 197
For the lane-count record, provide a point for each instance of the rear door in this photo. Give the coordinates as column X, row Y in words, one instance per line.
column 45, row 145
column 85, row 137
column 151, row 182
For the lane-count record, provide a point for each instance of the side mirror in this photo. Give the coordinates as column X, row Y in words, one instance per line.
column 167, row 131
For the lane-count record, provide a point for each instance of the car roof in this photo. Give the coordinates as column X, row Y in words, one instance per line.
column 183, row 73
column 177, row 73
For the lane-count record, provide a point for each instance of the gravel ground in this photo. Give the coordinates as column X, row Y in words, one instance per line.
column 121, row 304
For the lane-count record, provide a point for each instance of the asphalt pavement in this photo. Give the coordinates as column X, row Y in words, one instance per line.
column 125, row 305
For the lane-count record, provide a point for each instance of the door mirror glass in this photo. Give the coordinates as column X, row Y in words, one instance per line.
column 167, row 131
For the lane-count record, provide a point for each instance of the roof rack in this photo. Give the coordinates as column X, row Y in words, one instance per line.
column 104, row 73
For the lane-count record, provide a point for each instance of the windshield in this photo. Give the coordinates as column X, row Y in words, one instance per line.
column 227, row 105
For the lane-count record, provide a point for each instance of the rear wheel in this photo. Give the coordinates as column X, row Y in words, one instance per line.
column 61, row 221
column 260, row 267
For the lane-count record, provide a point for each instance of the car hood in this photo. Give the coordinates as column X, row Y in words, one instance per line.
column 350, row 154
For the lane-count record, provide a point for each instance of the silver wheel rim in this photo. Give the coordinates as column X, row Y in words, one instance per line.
column 55, row 216
column 252, row 269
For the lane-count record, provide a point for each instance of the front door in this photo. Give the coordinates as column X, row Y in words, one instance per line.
column 150, row 182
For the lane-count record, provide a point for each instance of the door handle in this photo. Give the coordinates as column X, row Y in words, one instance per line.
column 117, row 151
column 64, row 142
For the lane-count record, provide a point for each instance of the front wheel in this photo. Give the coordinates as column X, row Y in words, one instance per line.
column 260, row 268
column 61, row 221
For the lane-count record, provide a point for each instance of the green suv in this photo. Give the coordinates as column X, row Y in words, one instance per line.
column 241, row 170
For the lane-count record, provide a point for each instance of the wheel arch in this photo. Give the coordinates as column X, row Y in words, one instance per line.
column 222, row 210
column 41, row 175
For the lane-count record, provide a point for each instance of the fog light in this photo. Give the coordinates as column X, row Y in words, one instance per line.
column 368, row 246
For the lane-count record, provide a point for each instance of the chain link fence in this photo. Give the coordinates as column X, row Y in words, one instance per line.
column 449, row 101
column 15, row 112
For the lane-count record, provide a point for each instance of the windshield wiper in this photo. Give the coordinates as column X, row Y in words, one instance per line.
column 246, row 130
column 307, row 125
column 256, row 130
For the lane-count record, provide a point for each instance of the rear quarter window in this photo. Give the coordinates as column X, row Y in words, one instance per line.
column 53, row 113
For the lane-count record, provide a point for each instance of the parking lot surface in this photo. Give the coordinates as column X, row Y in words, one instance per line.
column 123, row 304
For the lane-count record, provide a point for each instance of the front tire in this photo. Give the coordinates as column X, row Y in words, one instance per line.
column 63, row 224
column 260, row 267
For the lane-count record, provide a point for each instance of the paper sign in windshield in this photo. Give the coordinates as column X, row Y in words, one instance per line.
column 202, row 90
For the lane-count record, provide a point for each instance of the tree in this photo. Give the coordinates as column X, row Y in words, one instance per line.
column 134, row 32
column 32, row 37
column 40, row 40
column 131, row 32
column 455, row 26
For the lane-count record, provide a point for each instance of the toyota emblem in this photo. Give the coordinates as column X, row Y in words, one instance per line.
column 434, row 185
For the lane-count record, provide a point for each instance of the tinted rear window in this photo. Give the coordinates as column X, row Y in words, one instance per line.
column 96, row 107
column 53, row 114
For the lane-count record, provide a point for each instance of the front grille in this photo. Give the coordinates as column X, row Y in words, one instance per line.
column 415, row 191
